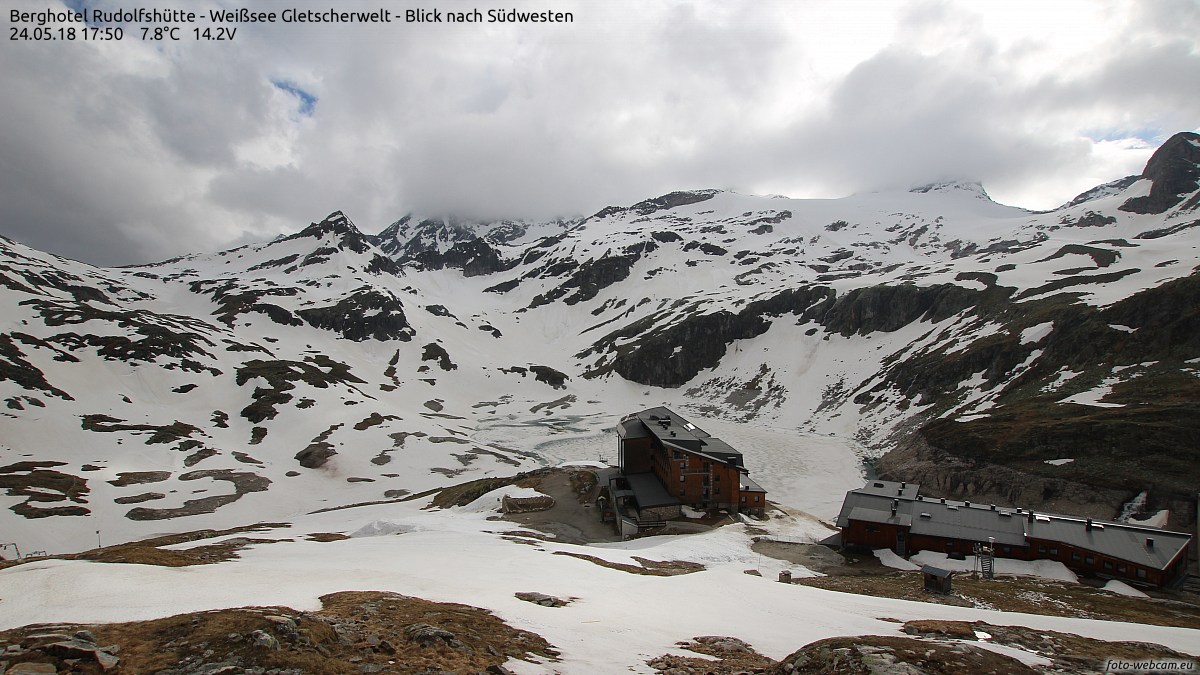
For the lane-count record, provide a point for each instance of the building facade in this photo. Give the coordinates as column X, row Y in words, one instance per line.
column 886, row 514
column 692, row 467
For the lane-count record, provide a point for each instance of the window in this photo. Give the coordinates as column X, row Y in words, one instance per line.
column 1053, row 550
column 1141, row 573
column 1108, row 565
column 681, row 479
column 743, row 498
column 755, row 497
column 1121, row 569
column 1041, row 549
column 1075, row 556
column 1090, row 560
column 1006, row 549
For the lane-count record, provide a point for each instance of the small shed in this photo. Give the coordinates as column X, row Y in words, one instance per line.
column 937, row 580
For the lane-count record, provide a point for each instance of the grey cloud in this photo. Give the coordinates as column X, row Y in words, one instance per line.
column 136, row 158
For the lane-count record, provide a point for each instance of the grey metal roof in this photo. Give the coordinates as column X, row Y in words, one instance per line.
column 748, row 484
column 890, row 489
column 977, row 522
column 1115, row 540
column 936, row 571
column 870, row 515
column 648, row 491
column 632, row 428
column 678, row 433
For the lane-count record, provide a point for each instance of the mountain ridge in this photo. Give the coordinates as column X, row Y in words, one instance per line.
column 330, row 366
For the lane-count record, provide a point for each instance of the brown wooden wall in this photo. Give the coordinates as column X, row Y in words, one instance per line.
column 1078, row 560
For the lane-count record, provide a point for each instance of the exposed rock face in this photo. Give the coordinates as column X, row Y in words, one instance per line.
column 474, row 258
column 941, row 473
column 667, row 201
column 673, row 354
column 1174, row 169
column 889, row 308
column 591, row 277
column 660, row 359
column 365, row 314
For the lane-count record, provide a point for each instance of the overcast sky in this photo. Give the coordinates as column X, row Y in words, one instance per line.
column 129, row 152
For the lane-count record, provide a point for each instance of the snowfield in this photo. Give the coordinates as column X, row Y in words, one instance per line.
column 455, row 555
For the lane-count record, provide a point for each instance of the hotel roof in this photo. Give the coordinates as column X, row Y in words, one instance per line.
column 1147, row 546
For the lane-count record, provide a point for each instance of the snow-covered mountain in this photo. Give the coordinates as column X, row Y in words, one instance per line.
column 979, row 345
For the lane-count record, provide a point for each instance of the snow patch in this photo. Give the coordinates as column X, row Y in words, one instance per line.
column 889, row 558
column 1036, row 333
column 1122, row 588
column 1047, row 569
column 1060, row 462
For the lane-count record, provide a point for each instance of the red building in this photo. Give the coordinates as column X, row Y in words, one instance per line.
column 885, row 514
column 667, row 461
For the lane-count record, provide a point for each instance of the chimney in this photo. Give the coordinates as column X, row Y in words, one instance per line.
column 1149, row 542
column 903, row 484
column 993, row 507
column 1031, row 515
column 943, row 500
column 1088, row 525
column 895, row 506
column 967, row 504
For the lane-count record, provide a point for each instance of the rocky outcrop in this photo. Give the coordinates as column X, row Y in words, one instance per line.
column 366, row 314
column 588, row 278
column 474, row 257
column 943, row 474
column 1174, row 170
column 337, row 226
column 663, row 203
column 660, row 358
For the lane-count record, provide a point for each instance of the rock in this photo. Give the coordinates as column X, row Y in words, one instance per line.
column 1174, row 171
column 71, row 649
column 282, row 624
column 428, row 636
column 542, row 599
column 260, row 638
column 107, row 661
column 85, row 635
column 32, row 669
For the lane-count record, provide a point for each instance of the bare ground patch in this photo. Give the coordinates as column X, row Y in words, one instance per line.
column 1020, row 594
column 354, row 632
column 150, row 551
column 654, row 568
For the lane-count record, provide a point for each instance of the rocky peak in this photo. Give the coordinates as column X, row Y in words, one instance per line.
column 335, row 226
column 1174, row 170
column 667, row 201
